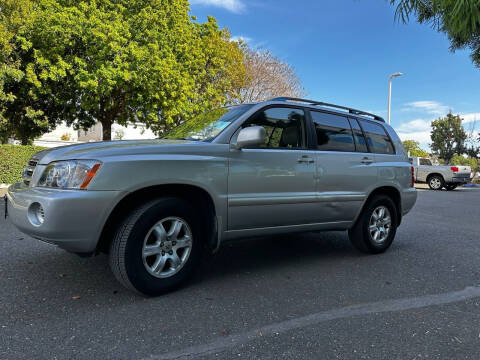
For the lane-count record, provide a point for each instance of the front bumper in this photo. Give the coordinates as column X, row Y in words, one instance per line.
column 74, row 219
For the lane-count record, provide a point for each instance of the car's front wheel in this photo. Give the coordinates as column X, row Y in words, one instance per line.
column 375, row 229
column 157, row 247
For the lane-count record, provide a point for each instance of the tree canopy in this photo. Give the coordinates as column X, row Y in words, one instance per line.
column 111, row 61
column 266, row 76
column 21, row 97
column 459, row 19
column 448, row 137
column 413, row 148
column 466, row 161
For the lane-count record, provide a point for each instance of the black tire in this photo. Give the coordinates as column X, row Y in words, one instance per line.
column 436, row 182
column 360, row 235
column 126, row 260
column 451, row 187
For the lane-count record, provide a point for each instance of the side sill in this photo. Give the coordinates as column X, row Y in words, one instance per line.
column 285, row 229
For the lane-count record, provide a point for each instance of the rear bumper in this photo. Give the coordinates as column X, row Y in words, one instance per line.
column 73, row 221
column 459, row 180
column 409, row 198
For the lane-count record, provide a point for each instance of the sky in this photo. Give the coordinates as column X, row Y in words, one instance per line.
column 344, row 50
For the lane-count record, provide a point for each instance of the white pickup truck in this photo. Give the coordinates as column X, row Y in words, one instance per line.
column 437, row 177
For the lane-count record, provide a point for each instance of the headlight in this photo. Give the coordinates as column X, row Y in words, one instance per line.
column 69, row 174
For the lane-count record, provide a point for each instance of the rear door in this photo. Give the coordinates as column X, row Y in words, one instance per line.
column 345, row 168
column 391, row 166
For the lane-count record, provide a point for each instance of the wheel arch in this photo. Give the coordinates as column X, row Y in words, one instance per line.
column 389, row 191
column 433, row 174
column 192, row 193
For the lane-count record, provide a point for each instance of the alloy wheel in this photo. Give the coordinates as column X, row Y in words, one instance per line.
column 380, row 224
column 435, row 183
column 167, row 247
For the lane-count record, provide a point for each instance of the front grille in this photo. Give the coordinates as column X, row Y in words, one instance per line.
column 28, row 171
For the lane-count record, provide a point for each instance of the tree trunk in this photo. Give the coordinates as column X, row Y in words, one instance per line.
column 106, row 129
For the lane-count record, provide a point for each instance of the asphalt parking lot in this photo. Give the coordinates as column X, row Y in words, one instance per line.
column 307, row 296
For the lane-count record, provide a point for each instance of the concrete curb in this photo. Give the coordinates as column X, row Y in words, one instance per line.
column 421, row 186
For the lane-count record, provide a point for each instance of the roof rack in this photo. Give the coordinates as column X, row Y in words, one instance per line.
column 350, row 110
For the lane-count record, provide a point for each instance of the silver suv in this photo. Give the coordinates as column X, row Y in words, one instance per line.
column 281, row 166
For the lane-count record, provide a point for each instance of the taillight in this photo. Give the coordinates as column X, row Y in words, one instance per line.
column 454, row 169
column 412, row 170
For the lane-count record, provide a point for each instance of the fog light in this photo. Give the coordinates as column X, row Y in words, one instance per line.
column 36, row 214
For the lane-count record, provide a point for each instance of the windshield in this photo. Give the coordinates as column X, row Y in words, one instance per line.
column 207, row 126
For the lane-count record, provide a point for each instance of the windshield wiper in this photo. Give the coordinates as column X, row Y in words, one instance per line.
column 182, row 138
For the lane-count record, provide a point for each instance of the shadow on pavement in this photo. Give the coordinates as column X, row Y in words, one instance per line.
column 41, row 270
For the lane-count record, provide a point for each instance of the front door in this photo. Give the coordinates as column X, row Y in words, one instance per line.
column 273, row 185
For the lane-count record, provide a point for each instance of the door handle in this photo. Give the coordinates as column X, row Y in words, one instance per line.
column 306, row 159
column 366, row 160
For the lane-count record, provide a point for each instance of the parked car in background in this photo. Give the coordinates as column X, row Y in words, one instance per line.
column 280, row 166
column 438, row 177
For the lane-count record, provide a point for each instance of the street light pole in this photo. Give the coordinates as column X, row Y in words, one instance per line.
column 390, row 93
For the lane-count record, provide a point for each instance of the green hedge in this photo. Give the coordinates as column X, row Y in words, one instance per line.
column 12, row 160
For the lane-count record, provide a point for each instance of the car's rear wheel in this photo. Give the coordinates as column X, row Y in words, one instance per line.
column 450, row 187
column 436, row 182
column 157, row 247
column 375, row 229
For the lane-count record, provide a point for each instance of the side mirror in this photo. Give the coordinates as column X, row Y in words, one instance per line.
column 250, row 137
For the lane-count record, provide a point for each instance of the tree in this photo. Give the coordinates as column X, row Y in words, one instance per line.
column 472, row 144
column 266, row 77
column 413, row 148
column 459, row 19
column 448, row 137
column 121, row 61
column 466, row 161
column 19, row 115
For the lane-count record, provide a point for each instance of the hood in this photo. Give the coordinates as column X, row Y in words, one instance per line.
column 98, row 150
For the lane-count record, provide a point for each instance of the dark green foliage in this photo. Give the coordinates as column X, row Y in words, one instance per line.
column 413, row 147
column 112, row 61
column 448, row 137
column 459, row 19
column 12, row 160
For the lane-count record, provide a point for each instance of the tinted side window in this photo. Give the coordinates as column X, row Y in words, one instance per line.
column 285, row 127
column 333, row 132
column 377, row 138
column 360, row 141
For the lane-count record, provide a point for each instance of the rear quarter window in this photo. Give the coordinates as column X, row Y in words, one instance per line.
column 377, row 138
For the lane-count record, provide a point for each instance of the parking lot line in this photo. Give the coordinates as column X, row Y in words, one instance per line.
column 224, row 343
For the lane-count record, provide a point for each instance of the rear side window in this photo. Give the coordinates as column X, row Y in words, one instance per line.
column 425, row 162
column 333, row 132
column 377, row 138
column 360, row 141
